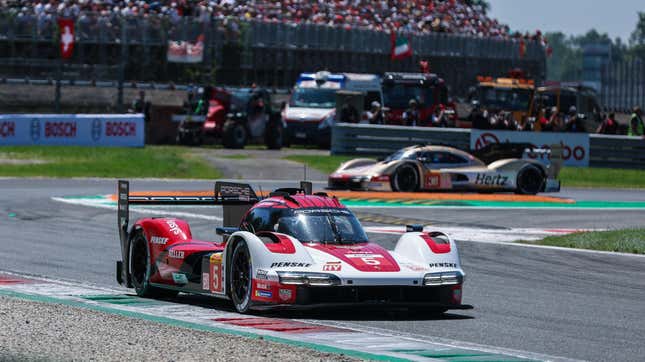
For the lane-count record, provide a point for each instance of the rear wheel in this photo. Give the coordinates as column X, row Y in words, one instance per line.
column 274, row 136
column 529, row 180
column 241, row 277
column 235, row 135
column 405, row 179
column 141, row 269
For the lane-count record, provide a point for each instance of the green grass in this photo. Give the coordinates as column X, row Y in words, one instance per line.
column 324, row 164
column 602, row 177
column 625, row 241
column 76, row 161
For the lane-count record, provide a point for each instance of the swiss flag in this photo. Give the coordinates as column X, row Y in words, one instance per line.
column 66, row 28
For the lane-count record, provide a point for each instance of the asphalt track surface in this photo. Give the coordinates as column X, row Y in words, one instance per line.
column 563, row 303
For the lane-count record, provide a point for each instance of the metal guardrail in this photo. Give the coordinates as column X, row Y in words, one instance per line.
column 366, row 139
column 376, row 140
column 616, row 151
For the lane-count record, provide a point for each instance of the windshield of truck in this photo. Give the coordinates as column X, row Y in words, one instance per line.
column 508, row 99
column 313, row 98
column 399, row 95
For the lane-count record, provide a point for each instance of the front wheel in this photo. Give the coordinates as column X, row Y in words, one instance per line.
column 241, row 277
column 529, row 180
column 405, row 179
column 141, row 269
column 235, row 135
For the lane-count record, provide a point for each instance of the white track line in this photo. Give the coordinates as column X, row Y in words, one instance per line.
column 487, row 236
column 151, row 211
column 521, row 233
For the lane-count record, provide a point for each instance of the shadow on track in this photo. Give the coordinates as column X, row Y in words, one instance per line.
column 357, row 313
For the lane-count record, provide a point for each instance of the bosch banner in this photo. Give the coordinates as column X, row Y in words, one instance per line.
column 69, row 129
column 575, row 146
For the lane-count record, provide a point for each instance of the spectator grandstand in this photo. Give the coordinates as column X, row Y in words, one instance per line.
column 463, row 17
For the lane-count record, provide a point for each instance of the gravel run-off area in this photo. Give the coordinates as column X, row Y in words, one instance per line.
column 35, row 331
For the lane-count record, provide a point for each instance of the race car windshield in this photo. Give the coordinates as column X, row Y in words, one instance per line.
column 313, row 98
column 322, row 227
column 400, row 155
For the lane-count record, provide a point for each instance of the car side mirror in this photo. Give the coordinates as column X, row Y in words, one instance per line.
column 422, row 159
column 226, row 231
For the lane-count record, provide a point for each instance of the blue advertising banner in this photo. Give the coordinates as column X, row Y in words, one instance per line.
column 125, row 130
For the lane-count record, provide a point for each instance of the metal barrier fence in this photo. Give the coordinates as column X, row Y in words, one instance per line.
column 623, row 85
column 108, row 47
column 376, row 140
column 616, row 151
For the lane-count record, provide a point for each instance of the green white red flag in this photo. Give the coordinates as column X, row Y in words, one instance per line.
column 401, row 48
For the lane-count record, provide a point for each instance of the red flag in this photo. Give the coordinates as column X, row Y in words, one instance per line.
column 425, row 66
column 66, row 27
column 522, row 48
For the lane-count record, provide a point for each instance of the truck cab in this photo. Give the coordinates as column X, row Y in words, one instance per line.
column 311, row 110
column 427, row 89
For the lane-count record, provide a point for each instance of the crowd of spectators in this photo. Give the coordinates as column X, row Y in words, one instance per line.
column 465, row 17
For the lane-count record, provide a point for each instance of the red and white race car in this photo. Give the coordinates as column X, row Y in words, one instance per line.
column 292, row 249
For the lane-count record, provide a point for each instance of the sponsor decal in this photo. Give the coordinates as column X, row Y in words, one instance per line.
column 443, row 265
column 120, row 129
column 326, row 211
column 332, row 266
column 7, row 129
column 173, row 227
column 285, row 294
column 261, row 274
column 158, row 240
column 433, row 180
column 415, row 267
column 290, row 264
column 216, row 272
column 176, row 254
column 483, row 179
column 575, row 146
column 96, row 129
column 263, row 286
column 263, row 294
column 34, row 129
column 205, row 281
column 179, row 278
column 66, row 129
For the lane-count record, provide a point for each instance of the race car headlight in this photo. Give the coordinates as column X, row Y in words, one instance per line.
column 445, row 278
column 360, row 179
column 313, row 279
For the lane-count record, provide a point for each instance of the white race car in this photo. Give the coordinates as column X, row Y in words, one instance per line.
column 292, row 249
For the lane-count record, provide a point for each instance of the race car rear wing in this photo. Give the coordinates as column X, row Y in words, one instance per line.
column 236, row 199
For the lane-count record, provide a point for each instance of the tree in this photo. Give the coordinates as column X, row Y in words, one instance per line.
column 637, row 38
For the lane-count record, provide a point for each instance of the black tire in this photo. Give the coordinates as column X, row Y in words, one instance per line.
column 141, row 269
column 235, row 135
column 405, row 178
column 274, row 136
column 241, row 277
column 530, row 180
